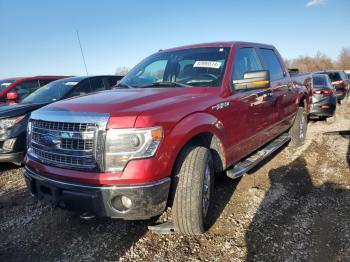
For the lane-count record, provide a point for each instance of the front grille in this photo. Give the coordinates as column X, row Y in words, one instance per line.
column 70, row 145
column 79, row 127
column 77, row 144
column 63, row 160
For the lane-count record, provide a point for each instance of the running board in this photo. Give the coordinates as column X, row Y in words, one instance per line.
column 245, row 165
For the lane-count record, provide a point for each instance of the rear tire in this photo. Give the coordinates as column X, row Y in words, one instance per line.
column 194, row 192
column 299, row 128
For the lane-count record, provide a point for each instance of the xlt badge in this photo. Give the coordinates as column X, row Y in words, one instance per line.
column 221, row 106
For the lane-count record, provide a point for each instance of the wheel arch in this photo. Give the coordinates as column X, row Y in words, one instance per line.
column 205, row 130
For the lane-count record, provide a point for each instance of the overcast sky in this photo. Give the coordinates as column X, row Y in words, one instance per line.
column 38, row 37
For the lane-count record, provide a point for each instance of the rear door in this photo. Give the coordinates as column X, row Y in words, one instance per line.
column 281, row 87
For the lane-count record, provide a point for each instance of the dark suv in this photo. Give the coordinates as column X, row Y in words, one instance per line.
column 14, row 118
column 339, row 81
column 324, row 99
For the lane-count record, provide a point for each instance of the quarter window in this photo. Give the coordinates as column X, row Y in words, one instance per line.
column 272, row 63
column 246, row 60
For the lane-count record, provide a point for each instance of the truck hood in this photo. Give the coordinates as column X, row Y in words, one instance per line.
column 128, row 104
column 14, row 110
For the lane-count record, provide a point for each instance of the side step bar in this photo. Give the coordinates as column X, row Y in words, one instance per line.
column 245, row 165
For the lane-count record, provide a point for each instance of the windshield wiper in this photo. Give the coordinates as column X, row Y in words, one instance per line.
column 122, row 85
column 164, row 84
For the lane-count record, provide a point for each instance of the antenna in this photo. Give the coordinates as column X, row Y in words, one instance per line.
column 82, row 53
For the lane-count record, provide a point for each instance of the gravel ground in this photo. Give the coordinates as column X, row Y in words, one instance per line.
column 293, row 207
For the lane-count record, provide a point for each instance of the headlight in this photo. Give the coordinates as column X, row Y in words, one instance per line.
column 8, row 123
column 123, row 145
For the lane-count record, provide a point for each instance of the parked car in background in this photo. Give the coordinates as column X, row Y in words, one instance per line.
column 14, row 118
column 13, row 90
column 339, row 81
column 324, row 99
column 178, row 118
column 347, row 72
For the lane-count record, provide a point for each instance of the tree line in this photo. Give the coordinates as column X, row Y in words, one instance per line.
column 321, row 62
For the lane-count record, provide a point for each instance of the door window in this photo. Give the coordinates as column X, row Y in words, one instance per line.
column 272, row 63
column 26, row 88
column 112, row 81
column 246, row 60
column 81, row 89
column 45, row 81
column 97, row 84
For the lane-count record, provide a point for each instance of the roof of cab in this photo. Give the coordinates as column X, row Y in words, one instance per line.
column 216, row 44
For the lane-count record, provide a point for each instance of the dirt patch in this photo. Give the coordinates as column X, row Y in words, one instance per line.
column 295, row 207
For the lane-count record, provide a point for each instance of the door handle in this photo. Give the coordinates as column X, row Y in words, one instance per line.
column 268, row 96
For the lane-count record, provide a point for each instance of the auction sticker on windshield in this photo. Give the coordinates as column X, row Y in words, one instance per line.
column 71, row 83
column 6, row 84
column 207, row 64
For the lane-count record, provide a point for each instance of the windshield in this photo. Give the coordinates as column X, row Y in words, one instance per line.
column 190, row 67
column 51, row 92
column 5, row 83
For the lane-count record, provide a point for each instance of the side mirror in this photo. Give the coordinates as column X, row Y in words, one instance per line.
column 253, row 80
column 13, row 95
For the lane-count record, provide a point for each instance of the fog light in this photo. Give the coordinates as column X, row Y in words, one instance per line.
column 8, row 144
column 126, row 202
column 121, row 203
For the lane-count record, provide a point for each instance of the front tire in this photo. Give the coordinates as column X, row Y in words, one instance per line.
column 299, row 128
column 194, row 191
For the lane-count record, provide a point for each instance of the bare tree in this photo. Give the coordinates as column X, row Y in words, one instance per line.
column 344, row 59
column 308, row 64
column 122, row 70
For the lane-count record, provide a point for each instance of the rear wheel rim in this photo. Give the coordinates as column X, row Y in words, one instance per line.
column 206, row 190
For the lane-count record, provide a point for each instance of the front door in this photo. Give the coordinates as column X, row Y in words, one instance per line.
column 252, row 111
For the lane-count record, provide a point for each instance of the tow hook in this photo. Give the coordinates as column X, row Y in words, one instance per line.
column 165, row 228
column 87, row 216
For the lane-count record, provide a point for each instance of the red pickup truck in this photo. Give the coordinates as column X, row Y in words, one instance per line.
column 180, row 117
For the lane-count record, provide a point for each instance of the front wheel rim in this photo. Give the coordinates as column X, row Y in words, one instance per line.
column 206, row 190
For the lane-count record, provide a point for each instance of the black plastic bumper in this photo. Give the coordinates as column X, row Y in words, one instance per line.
column 316, row 110
column 15, row 157
column 148, row 200
column 341, row 95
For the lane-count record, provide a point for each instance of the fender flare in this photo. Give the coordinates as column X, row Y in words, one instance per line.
column 190, row 127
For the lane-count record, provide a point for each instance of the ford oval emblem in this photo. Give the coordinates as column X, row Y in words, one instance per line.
column 51, row 141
